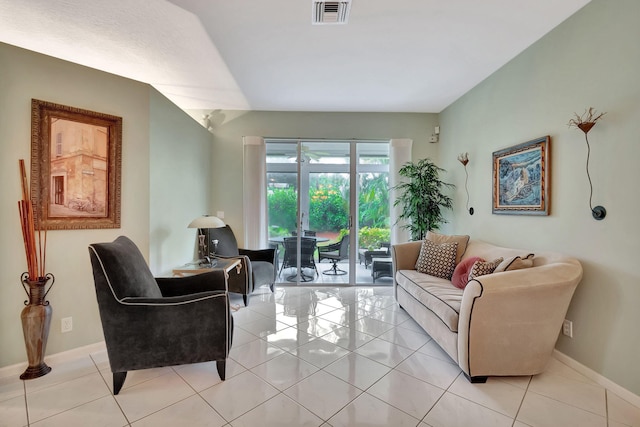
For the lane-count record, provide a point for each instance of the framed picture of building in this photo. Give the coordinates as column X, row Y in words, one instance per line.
column 76, row 158
column 521, row 178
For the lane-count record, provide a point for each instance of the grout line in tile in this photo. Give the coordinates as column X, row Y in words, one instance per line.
column 526, row 390
column 109, row 388
column 26, row 402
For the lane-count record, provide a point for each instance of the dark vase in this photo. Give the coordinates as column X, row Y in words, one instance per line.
column 36, row 320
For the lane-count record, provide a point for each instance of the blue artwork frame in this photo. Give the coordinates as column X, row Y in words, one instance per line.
column 521, row 178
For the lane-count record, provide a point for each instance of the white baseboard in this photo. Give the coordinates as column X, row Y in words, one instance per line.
column 618, row 390
column 53, row 359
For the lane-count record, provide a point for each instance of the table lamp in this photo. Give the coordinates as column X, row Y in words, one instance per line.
column 203, row 224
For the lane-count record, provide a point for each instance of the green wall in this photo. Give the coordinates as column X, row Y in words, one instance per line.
column 159, row 142
column 180, row 177
column 591, row 60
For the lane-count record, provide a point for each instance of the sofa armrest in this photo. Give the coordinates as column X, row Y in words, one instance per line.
column 509, row 321
column 403, row 257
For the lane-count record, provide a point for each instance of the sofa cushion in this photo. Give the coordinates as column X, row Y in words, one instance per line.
column 435, row 293
column 461, row 273
column 461, row 240
column 515, row 263
column 481, row 268
column 437, row 259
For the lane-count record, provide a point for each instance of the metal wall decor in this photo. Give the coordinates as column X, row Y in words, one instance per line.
column 585, row 123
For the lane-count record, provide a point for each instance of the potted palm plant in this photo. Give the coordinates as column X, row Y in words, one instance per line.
column 421, row 197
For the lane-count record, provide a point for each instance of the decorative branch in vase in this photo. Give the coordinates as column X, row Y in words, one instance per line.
column 36, row 316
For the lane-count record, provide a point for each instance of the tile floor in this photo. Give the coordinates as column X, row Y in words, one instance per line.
column 313, row 356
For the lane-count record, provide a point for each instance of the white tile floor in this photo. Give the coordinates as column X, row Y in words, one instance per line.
column 313, row 356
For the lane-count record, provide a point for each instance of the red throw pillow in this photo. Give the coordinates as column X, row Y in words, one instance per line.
column 461, row 273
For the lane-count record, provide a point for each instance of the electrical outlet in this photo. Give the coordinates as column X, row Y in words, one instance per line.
column 567, row 328
column 66, row 324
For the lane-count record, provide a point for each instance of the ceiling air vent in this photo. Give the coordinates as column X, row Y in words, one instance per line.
column 330, row 12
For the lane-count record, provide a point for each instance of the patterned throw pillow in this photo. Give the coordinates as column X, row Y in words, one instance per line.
column 481, row 268
column 463, row 241
column 437, row 260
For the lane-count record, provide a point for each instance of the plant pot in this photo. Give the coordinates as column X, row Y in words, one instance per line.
column 36, row 321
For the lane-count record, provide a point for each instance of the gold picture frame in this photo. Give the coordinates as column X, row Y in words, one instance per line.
column 522, row 178
column 76, row 158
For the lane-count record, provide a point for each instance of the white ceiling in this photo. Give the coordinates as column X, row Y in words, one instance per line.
column 392, row 56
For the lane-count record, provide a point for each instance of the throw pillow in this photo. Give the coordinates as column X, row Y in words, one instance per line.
column 460, row 276
column 480, row 268
column 515, row 263
column 462, row 241
column 437, row 260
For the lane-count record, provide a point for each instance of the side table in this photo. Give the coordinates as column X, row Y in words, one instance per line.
column 225, row 264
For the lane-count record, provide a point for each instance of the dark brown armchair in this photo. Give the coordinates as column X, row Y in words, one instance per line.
column 151, row 322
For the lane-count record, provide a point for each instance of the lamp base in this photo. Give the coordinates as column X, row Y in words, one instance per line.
column 599, row 212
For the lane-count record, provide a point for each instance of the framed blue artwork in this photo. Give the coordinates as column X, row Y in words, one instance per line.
column 521, row 178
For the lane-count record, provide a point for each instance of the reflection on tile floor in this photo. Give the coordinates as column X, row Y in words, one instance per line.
column 313, row 356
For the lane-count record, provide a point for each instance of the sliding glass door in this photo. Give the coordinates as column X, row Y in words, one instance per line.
column 320, row 194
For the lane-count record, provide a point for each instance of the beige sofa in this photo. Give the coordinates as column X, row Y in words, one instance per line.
column 501, row 324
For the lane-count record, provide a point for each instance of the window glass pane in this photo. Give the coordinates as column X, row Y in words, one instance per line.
column 282, row 198
column 373, row 153
column 281, row 152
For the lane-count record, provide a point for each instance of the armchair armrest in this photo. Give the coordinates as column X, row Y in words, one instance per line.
column 267, row 255
column 330, row 247
column 181, row 324
column 171, row 300
column 209, row 281
column 509, row 321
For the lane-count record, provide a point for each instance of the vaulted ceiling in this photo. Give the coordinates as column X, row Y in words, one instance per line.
column 391, row 56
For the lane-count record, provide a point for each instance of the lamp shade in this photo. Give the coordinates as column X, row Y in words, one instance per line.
column 206, row 221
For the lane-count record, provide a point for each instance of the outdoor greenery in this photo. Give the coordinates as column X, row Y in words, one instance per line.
column 329, row 207
column 421, row 197
column 372, row 238
column 374, row 201
column 282, row 210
